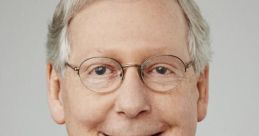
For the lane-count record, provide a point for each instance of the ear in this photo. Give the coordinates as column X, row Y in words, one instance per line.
column 203, row 88
column 54, row 95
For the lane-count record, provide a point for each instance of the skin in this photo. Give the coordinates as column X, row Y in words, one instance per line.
column 129, row 31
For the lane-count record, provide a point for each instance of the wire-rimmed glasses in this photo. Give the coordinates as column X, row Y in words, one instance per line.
column 103, row 74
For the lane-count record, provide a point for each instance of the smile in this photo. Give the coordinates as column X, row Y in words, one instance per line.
column 155, row 134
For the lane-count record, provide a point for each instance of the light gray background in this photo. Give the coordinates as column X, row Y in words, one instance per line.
column 234, row 77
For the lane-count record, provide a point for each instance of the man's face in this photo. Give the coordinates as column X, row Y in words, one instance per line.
column 130, row 32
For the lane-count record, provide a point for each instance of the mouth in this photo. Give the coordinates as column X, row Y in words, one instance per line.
column 155, row 134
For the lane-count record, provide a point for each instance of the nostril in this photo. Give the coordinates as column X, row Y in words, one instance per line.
column 102, row 134
column 132, row 114
column 157, row 134
column 142, row 112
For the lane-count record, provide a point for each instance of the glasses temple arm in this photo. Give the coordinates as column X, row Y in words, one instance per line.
column 188, row 65
column 72, row 67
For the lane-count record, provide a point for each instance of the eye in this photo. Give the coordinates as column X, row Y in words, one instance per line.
column 100, row 70
column 160, row 70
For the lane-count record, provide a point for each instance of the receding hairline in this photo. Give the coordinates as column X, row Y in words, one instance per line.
column 164, row 16
column 87, row 3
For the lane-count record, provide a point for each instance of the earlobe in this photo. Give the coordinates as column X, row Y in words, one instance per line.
column 54, row 95
column 203, row 88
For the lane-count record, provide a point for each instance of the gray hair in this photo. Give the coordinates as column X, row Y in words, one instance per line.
column 58, row 48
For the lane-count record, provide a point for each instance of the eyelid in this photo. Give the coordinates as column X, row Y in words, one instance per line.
column 108, row 67
column 162, row 65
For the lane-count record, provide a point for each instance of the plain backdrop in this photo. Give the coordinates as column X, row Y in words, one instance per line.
column 234, row 71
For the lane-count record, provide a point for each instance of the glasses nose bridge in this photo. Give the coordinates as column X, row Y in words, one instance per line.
column 131, row 65
column 126, row 66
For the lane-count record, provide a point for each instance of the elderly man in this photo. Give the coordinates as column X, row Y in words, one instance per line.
column 128, row 67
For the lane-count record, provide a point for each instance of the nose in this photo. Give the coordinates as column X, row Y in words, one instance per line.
column 132, row 99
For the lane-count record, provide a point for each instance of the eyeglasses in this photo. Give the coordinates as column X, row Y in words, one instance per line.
column 160, row 73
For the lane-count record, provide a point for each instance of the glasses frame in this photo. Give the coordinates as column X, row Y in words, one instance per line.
column 140, row 68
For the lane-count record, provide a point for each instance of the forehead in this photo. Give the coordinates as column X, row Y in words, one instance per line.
column 124, row 27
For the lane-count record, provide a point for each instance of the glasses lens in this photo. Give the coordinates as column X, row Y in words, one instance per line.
column 163, row 73
column 100, row 74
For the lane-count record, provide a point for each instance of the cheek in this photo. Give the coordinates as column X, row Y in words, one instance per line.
column 179, row 108
column 83, row 108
